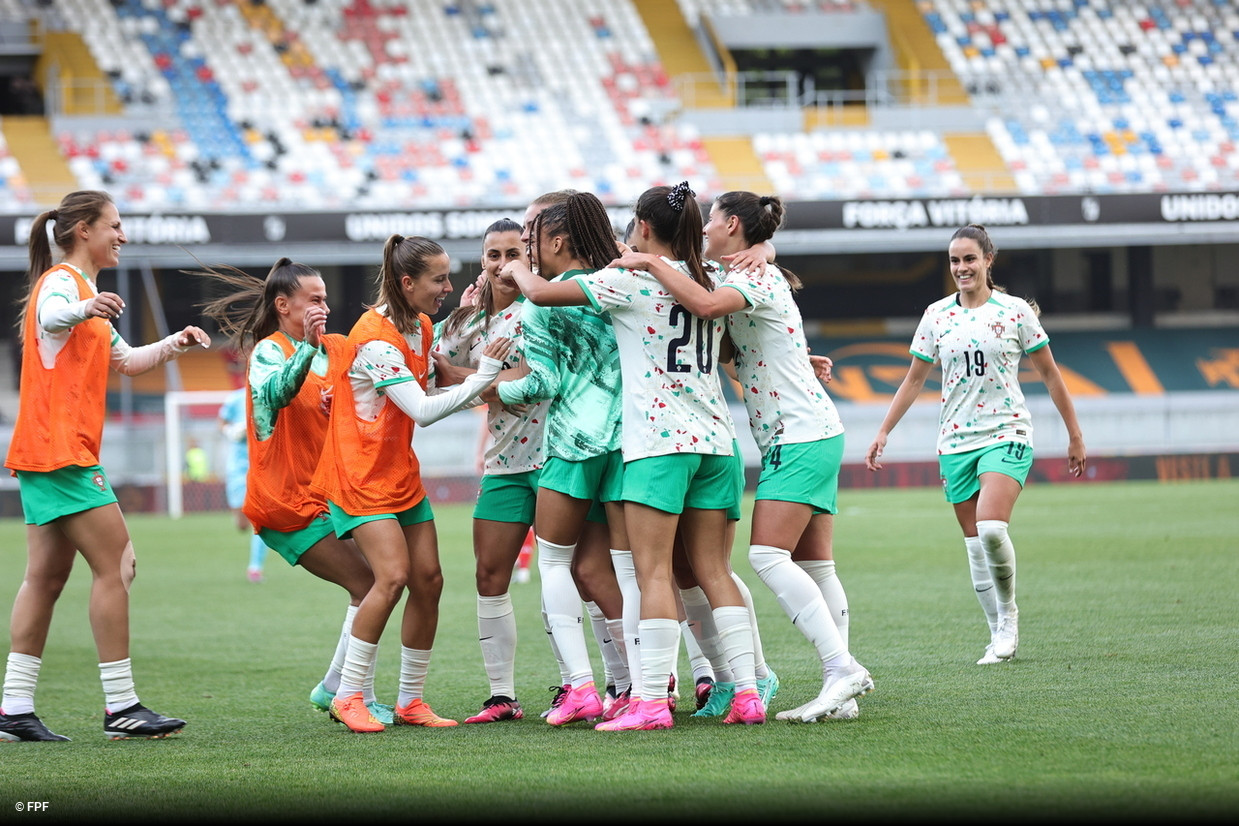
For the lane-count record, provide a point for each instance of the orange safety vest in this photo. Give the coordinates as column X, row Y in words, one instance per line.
column 369, row 467
column 62, row 408
column 278, row 495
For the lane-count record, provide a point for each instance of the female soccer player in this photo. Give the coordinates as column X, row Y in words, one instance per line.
column 985, row 448
column 371, row 476
column 797, row 430
column 68, row 346
column 574, row 363
column 280, row 323
column 504, row 512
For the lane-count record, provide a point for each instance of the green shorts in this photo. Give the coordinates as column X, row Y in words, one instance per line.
column 292, row 544
column 598, row 477
column 508, row 497
column 806, row 472
column 677, row 481
column 345, row 522
column 597, row 513
column 961, row 472
column 48, row 495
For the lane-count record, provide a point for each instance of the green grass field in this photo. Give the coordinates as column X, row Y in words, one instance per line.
column 1123, row 703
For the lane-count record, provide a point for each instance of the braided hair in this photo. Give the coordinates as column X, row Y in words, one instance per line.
column 674, row 216
column 585, row 226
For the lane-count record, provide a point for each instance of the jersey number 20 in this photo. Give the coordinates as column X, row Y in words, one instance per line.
column 704, row 341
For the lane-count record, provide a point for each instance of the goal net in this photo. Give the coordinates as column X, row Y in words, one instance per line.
column 195, row 481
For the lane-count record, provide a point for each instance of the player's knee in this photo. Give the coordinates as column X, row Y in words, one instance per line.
column 765, row 557
column 992, row 533
column 128, row 566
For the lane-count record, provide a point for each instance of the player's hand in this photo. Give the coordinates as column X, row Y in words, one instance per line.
column 469, row 296
column 446, row 373
column 874, row 452
column 193, row 335
column 1076, row 458
column 822, row 367
column 314, row 324
column 105, row 305
column 753, row 258
column 498, row 349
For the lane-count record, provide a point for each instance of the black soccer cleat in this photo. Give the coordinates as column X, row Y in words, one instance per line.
column 18, row 728
column 138, row 721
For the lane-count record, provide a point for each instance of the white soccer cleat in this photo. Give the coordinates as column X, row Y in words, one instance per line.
column 1007, row 637
column 990, row 657
column 842, row 687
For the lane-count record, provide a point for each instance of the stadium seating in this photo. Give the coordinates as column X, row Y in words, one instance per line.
column 343, row 104
column 358, row 103
column 859, row 164
column 1096, row 96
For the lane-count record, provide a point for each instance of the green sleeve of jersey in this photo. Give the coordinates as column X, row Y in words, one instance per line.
column 541, row 354
column 275, row 382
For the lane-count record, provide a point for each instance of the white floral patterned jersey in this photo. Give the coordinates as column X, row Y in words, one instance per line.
column 980, row 352
column 785, row 401
column 673, row 402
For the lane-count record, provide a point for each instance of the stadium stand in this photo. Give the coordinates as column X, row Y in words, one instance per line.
column 374, row 104
column 1095, row 96
column 381, row 104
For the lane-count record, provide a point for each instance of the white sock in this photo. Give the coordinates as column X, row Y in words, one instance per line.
column 660, row 645
column 735, row 635
column 626, row 575
column 799, row 597
column 497, row 636
column 619, row 669
column 331, row 681
column 562, row 602
column 615, row 668
column 982, row 582
column 21, row 676
column 414, row 663
column 699, row 662
column 118, row 691
column 358, row 662
column 759, row 656
column 1000, row 554
column 701, row 622
column 550, row 638
column 598, row 625
column 823, row 573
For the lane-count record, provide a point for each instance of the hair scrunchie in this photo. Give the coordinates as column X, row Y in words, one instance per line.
column 53, row 214
column 679, row 195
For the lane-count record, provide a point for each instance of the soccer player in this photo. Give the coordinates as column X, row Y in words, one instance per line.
column 985, row 449
column 504, row 513
column 574, row 363
column 371, row 476
column 280, row 324
column 232, row 423
column 68, row 346
column 797, row 430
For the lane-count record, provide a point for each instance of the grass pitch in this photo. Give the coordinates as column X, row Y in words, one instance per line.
column 1122, row 706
